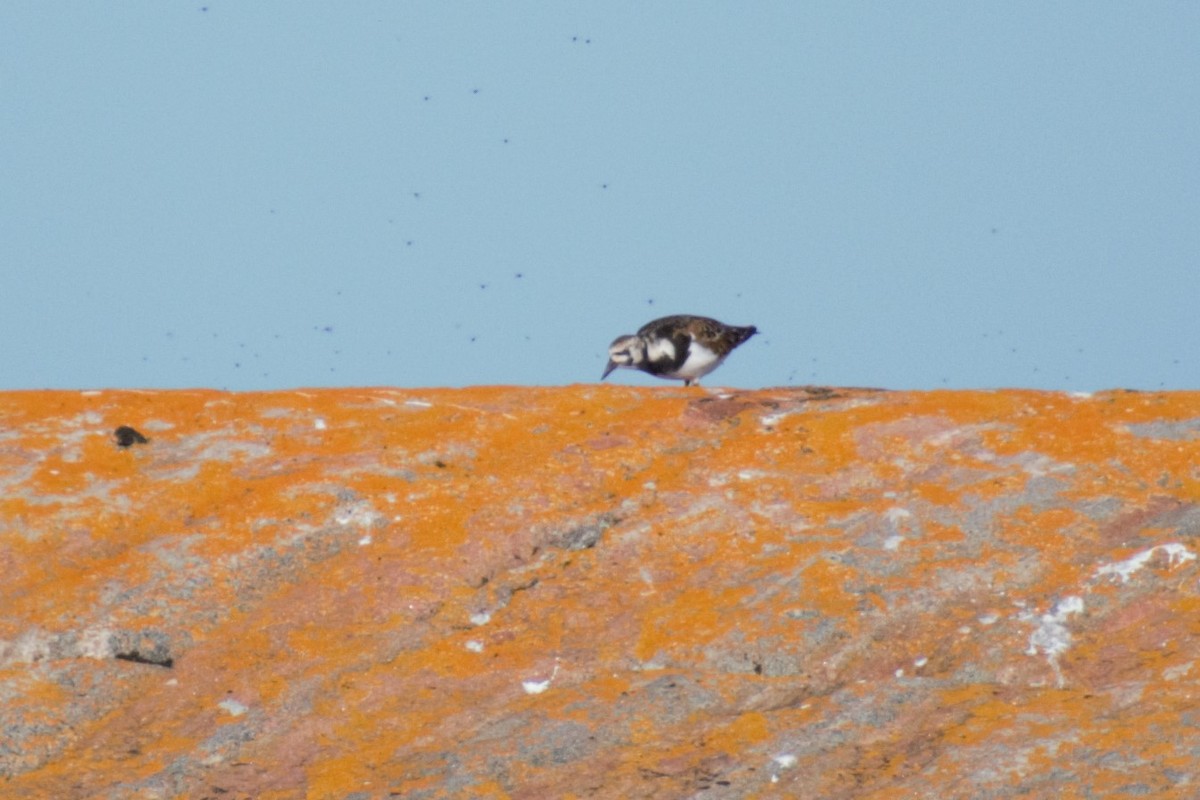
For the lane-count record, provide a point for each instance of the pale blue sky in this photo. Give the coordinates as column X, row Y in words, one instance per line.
column 276, row 194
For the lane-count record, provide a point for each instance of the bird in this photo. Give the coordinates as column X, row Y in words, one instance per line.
column 681, row 347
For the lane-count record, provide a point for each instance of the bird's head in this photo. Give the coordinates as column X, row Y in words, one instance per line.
column 625, row 351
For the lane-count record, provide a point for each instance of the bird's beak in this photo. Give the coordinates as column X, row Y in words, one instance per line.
column 608, row 368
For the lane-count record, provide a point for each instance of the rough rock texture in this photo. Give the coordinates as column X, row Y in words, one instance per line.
column 599, row 592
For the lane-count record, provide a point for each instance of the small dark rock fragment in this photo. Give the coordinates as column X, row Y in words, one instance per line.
column 154, row 658
column 127, row 436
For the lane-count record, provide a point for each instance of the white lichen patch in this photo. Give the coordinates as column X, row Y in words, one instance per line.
column 771, row 420
column 233, row 707
column 1176, row 554
column 537, row 687
column 781, row 762
column 34, row 645
column 96, row 642
column 1051, row 636
column 1178, row 671
column 358, row 513
column 1039, row 465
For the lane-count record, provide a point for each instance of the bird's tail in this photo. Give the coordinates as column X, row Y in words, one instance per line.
column 742, row 334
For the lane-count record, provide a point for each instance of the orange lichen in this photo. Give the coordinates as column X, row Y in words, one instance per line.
column 597, row 591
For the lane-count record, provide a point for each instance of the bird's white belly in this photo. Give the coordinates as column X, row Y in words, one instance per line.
column 700, row 362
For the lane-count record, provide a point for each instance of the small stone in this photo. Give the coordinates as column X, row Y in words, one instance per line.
column 126, row 436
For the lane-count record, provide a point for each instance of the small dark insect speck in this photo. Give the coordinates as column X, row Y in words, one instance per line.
column 127, row 436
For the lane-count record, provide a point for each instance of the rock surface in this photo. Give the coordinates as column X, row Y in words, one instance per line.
column 599, row 592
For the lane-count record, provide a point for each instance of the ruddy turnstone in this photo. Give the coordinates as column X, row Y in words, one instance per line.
column 682, row 347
